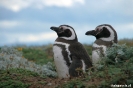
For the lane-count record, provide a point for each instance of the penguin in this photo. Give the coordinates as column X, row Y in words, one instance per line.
column 69, row 54
column 105, row 36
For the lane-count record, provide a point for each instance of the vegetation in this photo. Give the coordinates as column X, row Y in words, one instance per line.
column 129, row 42
column 12, row 58
column 38, row 54
column 30, row 67
column 14, row 78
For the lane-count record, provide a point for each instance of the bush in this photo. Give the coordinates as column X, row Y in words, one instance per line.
column 117, row 66
column 12, row 58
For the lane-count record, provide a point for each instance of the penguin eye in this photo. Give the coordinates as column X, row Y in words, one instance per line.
column 104, row 28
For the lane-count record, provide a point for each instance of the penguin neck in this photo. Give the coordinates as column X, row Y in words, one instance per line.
column 66, row 41
column 101, row 42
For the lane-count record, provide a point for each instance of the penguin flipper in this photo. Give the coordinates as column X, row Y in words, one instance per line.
column 78, row 50
column 76, row 65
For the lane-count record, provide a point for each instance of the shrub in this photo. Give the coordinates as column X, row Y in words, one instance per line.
column 12, row 58
column 116, row 66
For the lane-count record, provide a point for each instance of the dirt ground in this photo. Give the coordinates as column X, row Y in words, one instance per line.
column 46, row 82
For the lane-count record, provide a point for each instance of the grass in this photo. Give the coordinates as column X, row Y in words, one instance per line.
column 88, row 48
column 21, row 78
column 15, row 78
column 129, row 42
column 40, row 55
column 102, row 77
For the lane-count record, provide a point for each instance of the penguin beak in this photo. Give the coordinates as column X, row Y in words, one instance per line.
column 92, row 32
column 56, row 29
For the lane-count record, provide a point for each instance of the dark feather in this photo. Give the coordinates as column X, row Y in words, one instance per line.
column 75, row 65
column 80, row 53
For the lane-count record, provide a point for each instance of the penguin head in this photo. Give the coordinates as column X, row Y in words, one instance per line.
column 104, row 32
column 65, row 31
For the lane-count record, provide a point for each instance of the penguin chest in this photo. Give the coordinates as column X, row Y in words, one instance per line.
column 95, row 56
column 60, row 62
column 98, row 51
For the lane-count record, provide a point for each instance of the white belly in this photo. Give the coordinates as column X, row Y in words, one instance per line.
column 95, row 57
column 96, row 54
column 61, row 67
